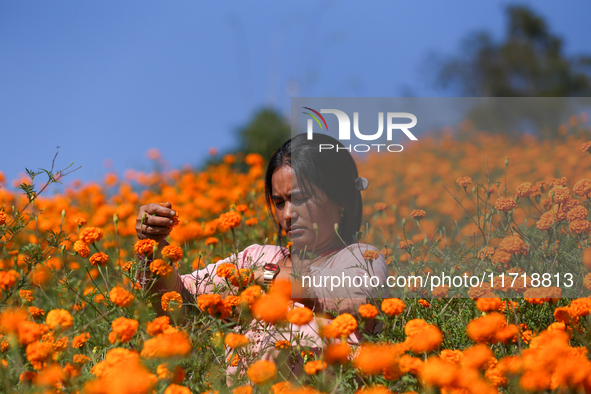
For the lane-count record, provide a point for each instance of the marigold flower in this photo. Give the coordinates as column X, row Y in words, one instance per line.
column 380, row 206
column 392, row 306
column 270, row 309
column 160, row 268
column 123, row 329
column 90, row 235
column 368, row 311
column 81, row 248
column 176, row 389
column 250, row 294
column 559, row 194
column 158, row 325
column 172, row 252
column 144, row 246
column 262, row 372
column 211, row 241
column 427, row 338
column 59, row 319
column 376, row 358
column 579, row 226
column 344, row 324
column 524, row 189
column 36, row 312
column 3, row 218
column 418, row 214
column 282, row 344
column 511, row 244
column 440, row 291
column 80, row 340
column 586, row 146
column 210, row 303
column 405, row 244
column 337, row 353
column 26, row 295
column 546, row 221
column 489, row 304
column 242, row 277
column 582, row 187
column 485, row 329
column 229, row 220
column 371, row 255
column 8, row 279
column 235, row 340
column 121, row 297
column 99, row 258
column 439, row 373
column 313, row 367
column 475, row 357
column 505, row 204
column 577, row 213
column 300, row 316
column 171, row 301
column 486, row 253
column 464, row 181
column 39, row 351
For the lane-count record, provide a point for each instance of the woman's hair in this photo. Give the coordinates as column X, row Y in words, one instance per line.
column 332, row 171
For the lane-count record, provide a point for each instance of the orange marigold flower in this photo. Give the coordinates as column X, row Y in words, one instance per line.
column 254, row 160
column 171, row 301
column 242, row 277
column 282, row 344
column 300, row 316
column 485, row 328
column 380, row 206
column 36, row 312
column 525, row 189
column 229, row 220
column 577, row 213
column 39, row 351
column 546, row 221
column 26, row 295
column 144, row 246
column 464, row 181
column 251, row 222
column 486, row 253
column 392, row 306
column 505, row 204
column 80, row 340
column 440, row 291
column 8, row 279
column 559, row 194
column 586, row 147
column 489, row 304
column 377, row 358
column 236, row 340
column 99, row 258
column 81, row 248
column 582, row 187
column 405, row 244
column 172, row 252
column 176, row 389
column 232, row 300
column 271, row 308
column 501, row 257
column 262, row 372
column 209, row 302
column 511, row 244
column 59, row 319
column 424, row 303
column 250, row 294
column 418, row 214
column 344, row 324
column 90, row 235
column 123, row 329
column 337, row 353
column 579, row 226
column 121, row 297
column 368, row 311
column 211, row 241
column 426, row 338
column 371, row 255
column 313, row 367
column 158, row 325
column 160, row 268
column 3, row 218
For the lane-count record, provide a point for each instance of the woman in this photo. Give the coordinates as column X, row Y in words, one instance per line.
column 314, row 197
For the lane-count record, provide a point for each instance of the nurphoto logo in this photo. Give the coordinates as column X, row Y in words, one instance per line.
column 345, row 129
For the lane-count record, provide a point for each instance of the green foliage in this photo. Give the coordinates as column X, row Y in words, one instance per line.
column 266, row 132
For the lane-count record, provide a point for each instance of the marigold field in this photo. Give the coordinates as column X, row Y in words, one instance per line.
column 74, row 318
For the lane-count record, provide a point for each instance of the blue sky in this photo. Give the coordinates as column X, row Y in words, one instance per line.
column 112, row 79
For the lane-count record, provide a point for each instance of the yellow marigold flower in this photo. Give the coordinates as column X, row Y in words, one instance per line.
column 505, row 204
column 371, row 255
column 262, row 372
column 36, row 312
column 80, row 340
column 392, row 306
column 99, row 258
column 344, row 324
column 586, row 146
column 160, row 268
column 282, row 344
column 313, row 367
column 59, row 319
column 144, row 246
column 236, row 340
column 81, row 248
column 464, row 181
column 229, row 220
column 580, row 226
column 123, row 329
column 511, row 244
column 211, row 241
column 380, row 206
column 582, row 187
column 300, row 316
column 26, row 294
column 174, row 297
column 525, row 189
column 559, row 194
column 121, row 297
column 418, row 214
column 90, row 235
column 368, row 311
column 172, row 252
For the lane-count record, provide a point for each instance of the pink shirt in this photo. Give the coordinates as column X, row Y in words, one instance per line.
column 347, row 262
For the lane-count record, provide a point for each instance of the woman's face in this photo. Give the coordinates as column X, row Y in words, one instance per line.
column 297, row 212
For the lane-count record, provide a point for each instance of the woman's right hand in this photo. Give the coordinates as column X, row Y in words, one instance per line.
column 157, row 221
